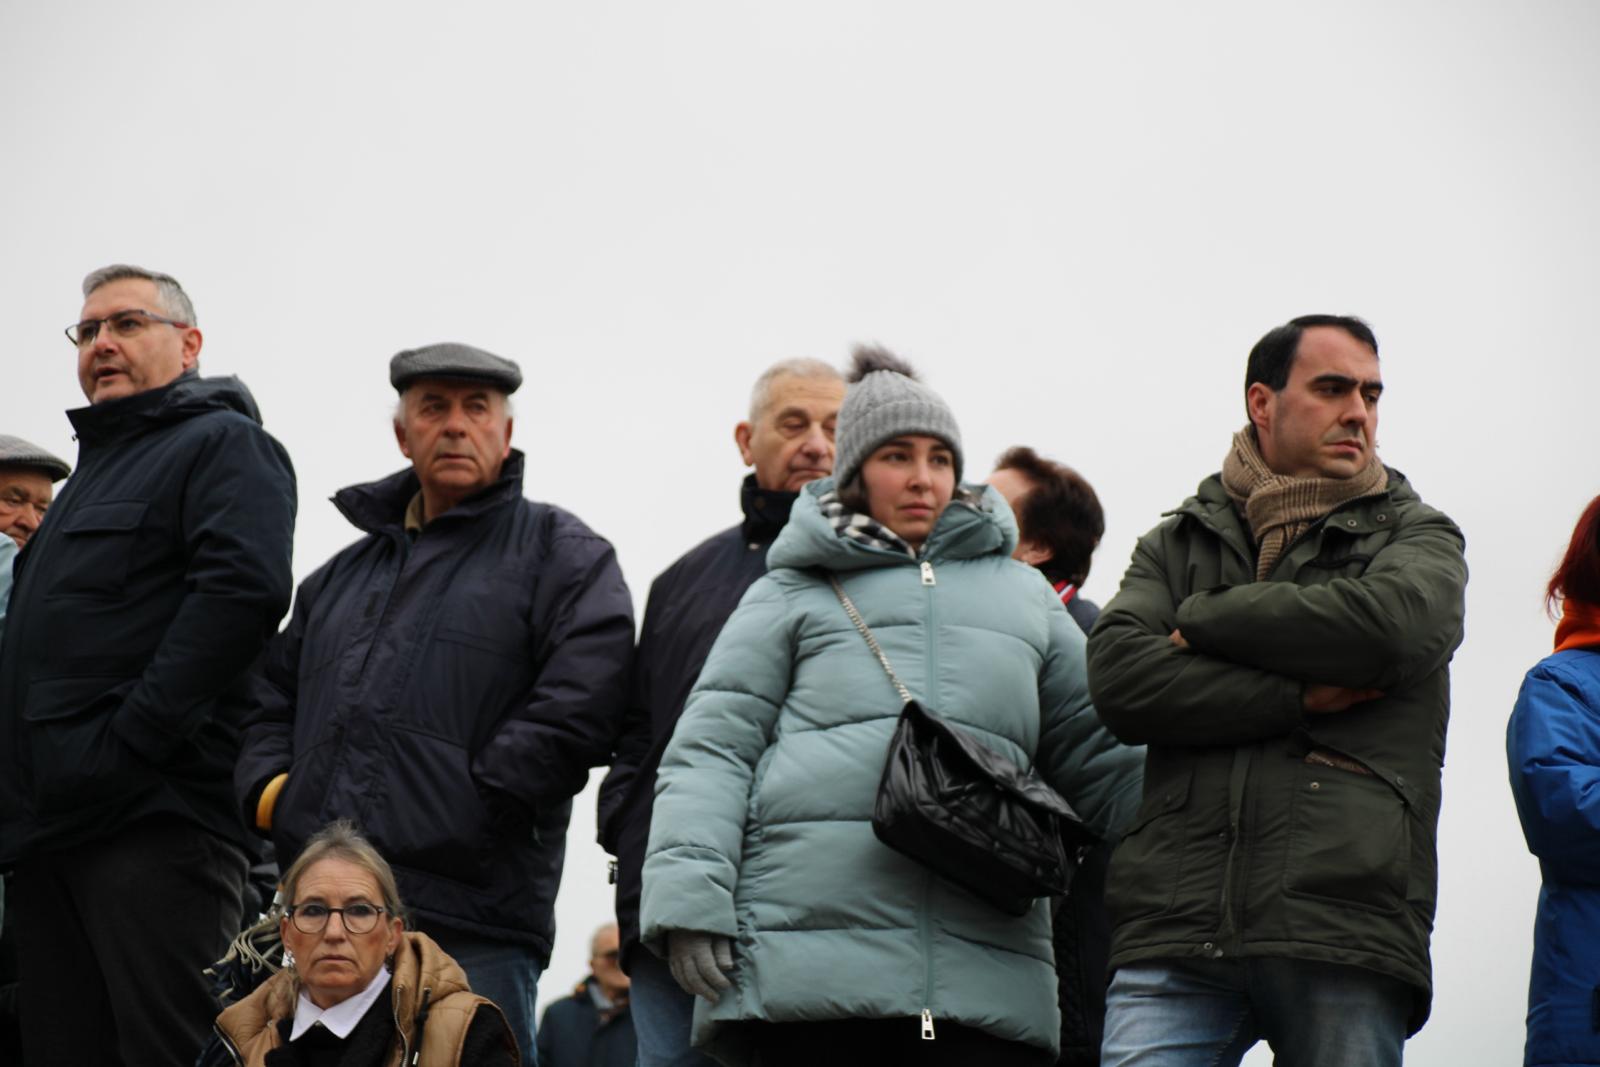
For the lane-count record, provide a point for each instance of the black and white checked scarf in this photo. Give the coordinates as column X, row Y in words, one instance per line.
column 868, row 530
column 858, row 527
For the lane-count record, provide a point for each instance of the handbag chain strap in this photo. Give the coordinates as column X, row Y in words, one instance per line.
column 872, row 642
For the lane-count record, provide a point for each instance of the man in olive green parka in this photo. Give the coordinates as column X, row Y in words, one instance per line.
column 1281, row 643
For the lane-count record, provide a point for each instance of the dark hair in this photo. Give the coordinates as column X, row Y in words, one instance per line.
column 1578, row 577
column 1273, row 356
column 1061, row 512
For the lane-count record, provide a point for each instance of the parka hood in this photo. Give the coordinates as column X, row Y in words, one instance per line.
column 964, row 531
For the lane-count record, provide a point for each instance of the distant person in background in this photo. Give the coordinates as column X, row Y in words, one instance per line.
column 362, row 990
column 449, row 679
column 592, row 1027
column 1553, row 746
column 1059, row 524
column 787, row 440
column 27, row 484
column 137, row 608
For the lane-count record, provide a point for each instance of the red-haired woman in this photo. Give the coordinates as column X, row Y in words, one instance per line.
column 1553, row 744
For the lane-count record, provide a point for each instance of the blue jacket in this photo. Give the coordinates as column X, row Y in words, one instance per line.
column 1553, row 746
column 138, row 607
column 450, row 695
column 761, row 830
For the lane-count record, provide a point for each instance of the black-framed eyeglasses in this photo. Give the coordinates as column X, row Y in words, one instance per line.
column 123, row 324
column 358, row 918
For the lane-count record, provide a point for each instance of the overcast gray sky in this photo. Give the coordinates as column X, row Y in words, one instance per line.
column 1074, row 218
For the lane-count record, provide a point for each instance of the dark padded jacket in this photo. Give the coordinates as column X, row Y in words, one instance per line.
column 450, row 695
column 157, row 578
column 1265, row 831
column 573, row 1032
column 689, row 602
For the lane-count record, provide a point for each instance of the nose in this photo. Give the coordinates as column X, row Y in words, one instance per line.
column 28, row 518
column 817, row 443
column 1356, row 412
column 455, row 422
column 328, row 931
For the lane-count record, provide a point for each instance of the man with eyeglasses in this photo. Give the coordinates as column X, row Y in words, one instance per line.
column 448, row 680
column 162, row 571
column 27, row 483
column 592, row 1027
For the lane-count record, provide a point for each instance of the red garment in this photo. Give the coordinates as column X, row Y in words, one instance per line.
column 1067, row 591
column 1579, row 626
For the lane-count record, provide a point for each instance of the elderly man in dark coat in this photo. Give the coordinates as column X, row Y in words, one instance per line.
column 449, row 679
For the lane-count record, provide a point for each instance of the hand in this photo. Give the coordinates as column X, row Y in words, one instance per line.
column 697, row 961
column 1177, row 638
column 1323, row 699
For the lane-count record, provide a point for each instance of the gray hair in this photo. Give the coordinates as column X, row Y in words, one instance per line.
column 594, row 938
column 761, row 394
column 169, row 294
column 340, row 840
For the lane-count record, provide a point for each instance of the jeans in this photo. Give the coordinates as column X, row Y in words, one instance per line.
column 662, row 1015
column 1205, row 1013
column 507, row 974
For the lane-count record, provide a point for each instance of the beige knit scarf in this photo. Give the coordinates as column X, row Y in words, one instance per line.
column 1280, row 508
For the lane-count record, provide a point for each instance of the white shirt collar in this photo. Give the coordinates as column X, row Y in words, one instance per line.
column 343, row 1016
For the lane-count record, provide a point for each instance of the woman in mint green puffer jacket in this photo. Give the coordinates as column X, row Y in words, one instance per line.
column 762, row 856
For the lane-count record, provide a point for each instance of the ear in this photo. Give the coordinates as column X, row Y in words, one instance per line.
column 1032, row 553
column 400, row 439
column 507, row 453
column 396, row 928
column 741, row 437
column 192, row 340
column 1258, row 405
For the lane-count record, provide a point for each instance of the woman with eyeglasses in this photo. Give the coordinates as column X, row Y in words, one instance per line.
column 360, row 991
column 1553, row 746
column 805, row 938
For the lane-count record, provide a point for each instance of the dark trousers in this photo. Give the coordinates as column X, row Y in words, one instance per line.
column 884, row 1042
column 112, row 937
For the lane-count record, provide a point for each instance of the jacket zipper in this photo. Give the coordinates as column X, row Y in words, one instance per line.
column 405, row 1042
column 927, row 883
column 233, row 1050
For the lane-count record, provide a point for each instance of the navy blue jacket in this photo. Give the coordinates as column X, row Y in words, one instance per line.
column 1553, row 745
column 449, row 694
column 689, row 602
column 572, row 1034
column 161, row 571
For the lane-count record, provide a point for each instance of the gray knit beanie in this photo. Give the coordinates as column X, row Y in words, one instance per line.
column 884, row 401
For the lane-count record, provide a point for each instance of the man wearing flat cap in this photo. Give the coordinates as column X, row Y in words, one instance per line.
column 27, row 483
column 449, row 680
column 136, row 611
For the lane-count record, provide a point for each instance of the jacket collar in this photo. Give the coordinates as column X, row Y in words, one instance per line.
column 766, row 511
column 1214, row 509
column 189, row 395
column 380, row 506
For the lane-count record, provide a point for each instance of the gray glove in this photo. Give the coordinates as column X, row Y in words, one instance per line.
column 697, row 960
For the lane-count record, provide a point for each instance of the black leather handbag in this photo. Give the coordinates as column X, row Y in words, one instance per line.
column 967, row 813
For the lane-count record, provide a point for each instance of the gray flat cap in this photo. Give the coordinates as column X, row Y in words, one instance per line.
column 454, row 361
column 15, row 452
